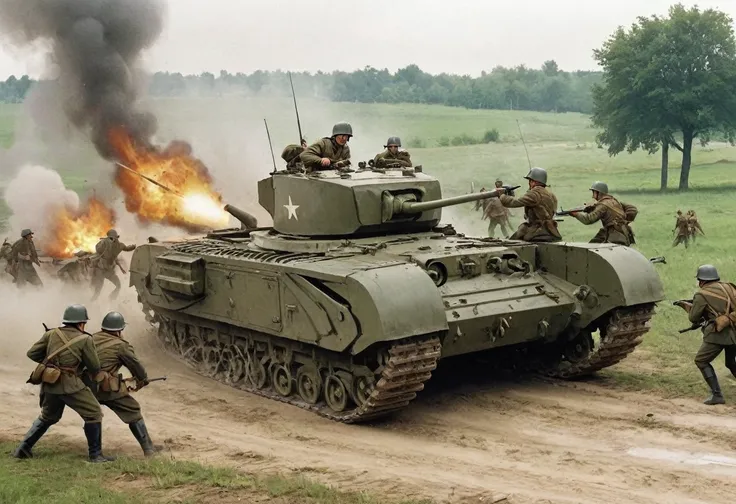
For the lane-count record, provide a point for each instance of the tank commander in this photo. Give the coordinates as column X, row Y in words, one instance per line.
column 291, row 154
column 392, row 157
column 329, row 151
column 712, row 308
column 614, row 216
column 63, row 354
column 115, row 352
column 539, row 206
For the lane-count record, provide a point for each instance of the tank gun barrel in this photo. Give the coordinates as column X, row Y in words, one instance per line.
column 246, row 219
column 413, row 207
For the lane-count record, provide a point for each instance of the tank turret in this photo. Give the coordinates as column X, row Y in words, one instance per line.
column 334, row 203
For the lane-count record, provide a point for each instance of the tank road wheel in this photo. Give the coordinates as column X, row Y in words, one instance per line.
column 362, row 389
column 281, row 379
column 211, row 359
column 257, row 373
column 579, row 349
column 233, row 364
column 336, row 395
column 309, row 383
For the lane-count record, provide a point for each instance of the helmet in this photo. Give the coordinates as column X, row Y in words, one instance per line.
column 25, row 233
column 113, row 234
column 538, row 175
column 342, row 128
column 599, row 186
column 393, row 141
column 679, row 212
column 113, row 321
column 707, row 273
column 75, row 314
column 499, row 182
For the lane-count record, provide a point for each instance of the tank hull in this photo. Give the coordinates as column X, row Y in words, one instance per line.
column 353, row 329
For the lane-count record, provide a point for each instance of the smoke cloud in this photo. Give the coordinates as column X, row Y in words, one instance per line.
column 95, row 48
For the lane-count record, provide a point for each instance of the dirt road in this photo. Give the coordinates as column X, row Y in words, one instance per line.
column 531, row 441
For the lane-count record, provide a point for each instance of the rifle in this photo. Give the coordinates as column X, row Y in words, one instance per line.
column 150, row 380
column 696, row 325
column 658, row 259
column 564, row 213
column 298, row 124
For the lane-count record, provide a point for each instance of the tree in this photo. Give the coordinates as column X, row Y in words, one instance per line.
column 667, row 82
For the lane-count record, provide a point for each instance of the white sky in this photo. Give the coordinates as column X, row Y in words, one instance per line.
column 458, row 36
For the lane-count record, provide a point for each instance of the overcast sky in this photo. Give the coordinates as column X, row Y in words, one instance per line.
column 457, row 36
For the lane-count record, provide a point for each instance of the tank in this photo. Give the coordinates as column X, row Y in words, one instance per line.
column 350, row 300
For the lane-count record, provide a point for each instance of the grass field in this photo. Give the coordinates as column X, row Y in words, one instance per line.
column 561, row 143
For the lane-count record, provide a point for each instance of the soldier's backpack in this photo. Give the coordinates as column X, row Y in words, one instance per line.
column 728, row 318
column 50, row 374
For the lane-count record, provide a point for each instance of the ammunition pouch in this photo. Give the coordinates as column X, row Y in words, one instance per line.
column 724, row 321
column 111, row 383
column 44, row 374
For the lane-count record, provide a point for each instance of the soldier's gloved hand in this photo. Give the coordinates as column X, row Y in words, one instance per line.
column 325, row 161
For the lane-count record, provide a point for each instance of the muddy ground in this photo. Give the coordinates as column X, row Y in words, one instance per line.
column 464, row 439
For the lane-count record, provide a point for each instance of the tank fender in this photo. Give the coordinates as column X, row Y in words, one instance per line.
column 394, row 302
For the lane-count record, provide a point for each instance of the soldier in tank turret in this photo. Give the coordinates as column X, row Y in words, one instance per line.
column 539, row 206
column 329, row 152
column 291, row 154
column 392, row 157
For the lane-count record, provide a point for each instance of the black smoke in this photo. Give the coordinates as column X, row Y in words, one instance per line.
column 94, row 48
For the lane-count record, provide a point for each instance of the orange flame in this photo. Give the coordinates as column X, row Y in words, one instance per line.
column 191, row 203
column 73, row 232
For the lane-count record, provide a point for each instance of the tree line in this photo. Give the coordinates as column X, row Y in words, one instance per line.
column 547, row 89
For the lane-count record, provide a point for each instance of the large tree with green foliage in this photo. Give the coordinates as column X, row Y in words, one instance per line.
column 666, row 82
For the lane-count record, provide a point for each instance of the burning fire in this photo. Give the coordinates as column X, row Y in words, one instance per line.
column 73, row 232
column 186, row 200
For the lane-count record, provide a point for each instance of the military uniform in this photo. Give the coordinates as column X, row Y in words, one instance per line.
column 22, row 257
column 540, row 206
column 291, row 154
column 682, row 228
column 69, row 389
column 714, row 299
column 693, row 225
column 387, row 159
column 75, row 271
column 497, row 215
column 614, row 216
column 108, row 249
column 328, row 147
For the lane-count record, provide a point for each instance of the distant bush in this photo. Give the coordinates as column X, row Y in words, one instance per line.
column 416, row 143
column 465, row 139
column 443, row 142
column 491, row 135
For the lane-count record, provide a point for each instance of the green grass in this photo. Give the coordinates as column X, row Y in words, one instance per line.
column 60, row 474
column 561, row 143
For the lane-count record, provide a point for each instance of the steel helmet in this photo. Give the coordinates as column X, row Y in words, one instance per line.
column 342, row 128
column 113, row 321
column 707, row 273
column 75, row 314
column 599, row 186
column 538, row 175
column 393, row 141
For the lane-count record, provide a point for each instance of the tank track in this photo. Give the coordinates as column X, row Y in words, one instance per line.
column 243, row 361
column 621, row 334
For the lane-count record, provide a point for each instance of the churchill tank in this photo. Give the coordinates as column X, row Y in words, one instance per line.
column 350, row 300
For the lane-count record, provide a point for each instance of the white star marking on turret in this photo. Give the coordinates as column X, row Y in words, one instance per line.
column 291, row 208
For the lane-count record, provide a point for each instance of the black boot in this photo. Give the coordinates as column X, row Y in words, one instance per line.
column 37, row 430
column 93, row 431
column 711, row 379
column 140, row 432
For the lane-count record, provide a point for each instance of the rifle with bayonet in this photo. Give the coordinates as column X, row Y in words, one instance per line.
column 565, row 213
column 686, row 304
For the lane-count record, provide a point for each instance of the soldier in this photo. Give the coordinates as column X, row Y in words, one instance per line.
column 694, row 225
column 539, row 205
column 23, row 256
column 713, row 306
column 392, row 157
column 108, row 249
column 497, row 214
column 291, row 154
column 115, row 352
column 614, row 216
column 329, row 151
column 65, row 351
column 76, row 270
column 682, row 229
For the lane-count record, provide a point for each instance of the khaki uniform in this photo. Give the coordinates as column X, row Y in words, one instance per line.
column 497, row 215
column 74, row 271
column 108, row 251
column 114, row 352
column 291, row 154
column 683, row 231
column 70, row 390
column 615, row 217
column 22, row 269
column 386, row 159
column 540, row 206
column 694, row 227
column 712, row 300
column 324, row 148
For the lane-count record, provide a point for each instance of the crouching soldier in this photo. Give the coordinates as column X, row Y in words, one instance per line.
column 63, row 354
column 112, row 391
